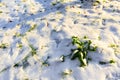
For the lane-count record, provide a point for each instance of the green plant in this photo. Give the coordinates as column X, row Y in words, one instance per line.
column 85, row 37
column 112, row 61
column 32, row 27
column 24, row 63
column 33, row 50
column 66, row 72
column 3, row 45
column 20, row 45
column 54, row 3
column 96, row 3
column 5, row 69
column 114, row 47
column 45, row 62
column 107, row 62
column 1, row 12
column 99, row 38
column 81, row 50
column 19, row 35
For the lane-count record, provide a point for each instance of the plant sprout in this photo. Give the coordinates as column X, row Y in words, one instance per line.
column 33, row 50
column 114, row 47
column 112, row 61
column 20, row 45
column 19, row 35
column 45, row 62
column 3, row 45
column 82, row 49
column 1, row 12
column 54, row 3
column 66, row 72
column 32, row 27
column 99, row 38
column 107, row 62
column 24, row 61
column 5, row 69
column 96, row 3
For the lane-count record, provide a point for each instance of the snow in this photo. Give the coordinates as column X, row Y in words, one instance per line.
column 48, row 26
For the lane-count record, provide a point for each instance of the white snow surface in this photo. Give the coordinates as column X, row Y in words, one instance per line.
column 57, row 21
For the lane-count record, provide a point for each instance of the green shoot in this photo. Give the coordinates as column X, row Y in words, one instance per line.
column 99, row 38
column 114, row 47
column 85, row 37
column 5, row 69
column 20, row 45
column 16, row 65
column 111, row 61
column 19, row 35
column 23, row 62
column 1, row 12
column 96, row 3
column 66, row 72
column 81, row 52
column 32, row 27
column 106, row 62
column 3, row 45
column 54, row 3
column 33, row 50
column 45, row 62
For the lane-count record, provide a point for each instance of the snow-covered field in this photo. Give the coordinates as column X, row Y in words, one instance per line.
column 36, row 39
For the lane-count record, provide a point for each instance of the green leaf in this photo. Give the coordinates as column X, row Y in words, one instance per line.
column 33, row 50
column 75, row 40
column 75, row 55
column 85, row 37
column 82, row 49
column 3, row 45
column 1, row 12
column 111, row 61
column 32, row 27
column 54, row 3
column 16, row 65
